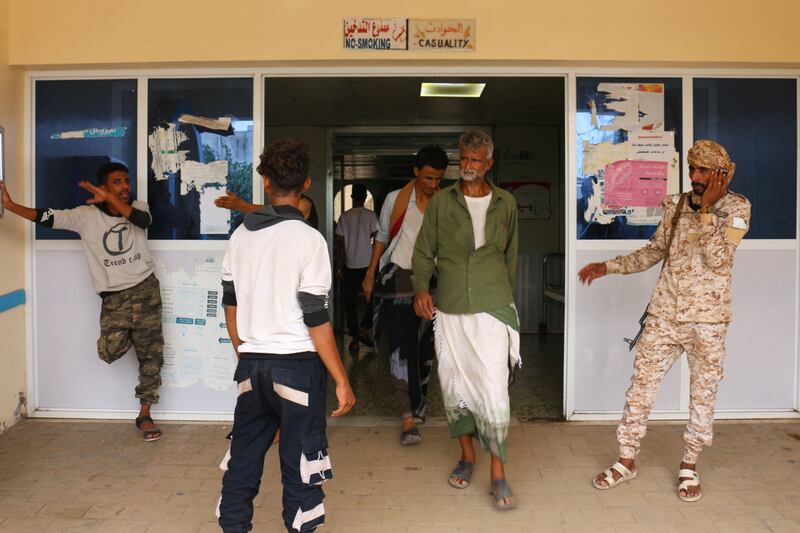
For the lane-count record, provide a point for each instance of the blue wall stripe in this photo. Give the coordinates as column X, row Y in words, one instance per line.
column 12, row 300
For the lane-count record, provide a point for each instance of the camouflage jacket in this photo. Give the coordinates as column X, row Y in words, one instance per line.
column 695, row 284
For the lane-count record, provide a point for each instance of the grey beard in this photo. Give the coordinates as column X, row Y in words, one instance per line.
column 469, row 176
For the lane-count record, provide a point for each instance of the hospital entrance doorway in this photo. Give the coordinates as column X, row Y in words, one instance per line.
column 367, row 131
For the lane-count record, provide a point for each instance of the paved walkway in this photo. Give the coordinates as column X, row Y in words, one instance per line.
column 100, row 476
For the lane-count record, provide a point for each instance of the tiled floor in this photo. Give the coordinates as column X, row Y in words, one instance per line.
column 536, row 394
column 100, row 476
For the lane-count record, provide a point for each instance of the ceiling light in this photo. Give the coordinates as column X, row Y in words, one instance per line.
column 452, row 90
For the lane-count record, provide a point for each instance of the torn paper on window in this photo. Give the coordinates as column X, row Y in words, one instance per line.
column 213, row 220
column 644, row 216
column 597, row 156
column 164, row 142
column 645, row 144
column 196, row 175
column 221, row 123
column 210, row 181
column 657, row 146
column 645, row 151
column 640, row 106
column 598, row 213
column 651, row 106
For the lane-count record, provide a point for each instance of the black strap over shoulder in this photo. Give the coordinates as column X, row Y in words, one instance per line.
column 674, row 224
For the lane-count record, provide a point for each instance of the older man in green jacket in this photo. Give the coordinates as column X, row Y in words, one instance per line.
column 469, row 236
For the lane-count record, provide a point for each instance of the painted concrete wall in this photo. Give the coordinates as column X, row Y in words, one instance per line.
column 12, row 240
column 92, row 32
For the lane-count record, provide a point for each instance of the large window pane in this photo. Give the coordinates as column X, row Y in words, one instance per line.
column 200, row 145
column 628, row 154
column 80, row 124
column 756, row 121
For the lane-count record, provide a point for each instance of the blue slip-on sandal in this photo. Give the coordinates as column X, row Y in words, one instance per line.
column 462, row 471
column 500, row 491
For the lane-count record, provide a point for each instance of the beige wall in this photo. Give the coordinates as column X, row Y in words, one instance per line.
column 12, row 241
column 92, row 32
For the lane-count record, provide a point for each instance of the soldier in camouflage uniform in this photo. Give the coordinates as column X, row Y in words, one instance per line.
column 113, row 232
column 689, row 310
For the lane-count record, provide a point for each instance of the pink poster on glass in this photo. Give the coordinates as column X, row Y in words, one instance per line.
column 635, row 183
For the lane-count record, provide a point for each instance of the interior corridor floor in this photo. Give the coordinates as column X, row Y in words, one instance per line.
column 79, row 476
column 537, row 393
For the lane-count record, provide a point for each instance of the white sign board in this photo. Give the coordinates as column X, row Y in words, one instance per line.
column 197, row 348
column 375, row 34
column 442, row 35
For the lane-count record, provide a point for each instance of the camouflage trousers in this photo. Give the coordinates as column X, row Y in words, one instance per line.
column 132, row 317
column 661, row 344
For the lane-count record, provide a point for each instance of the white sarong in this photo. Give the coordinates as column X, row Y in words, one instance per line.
column 475, row 352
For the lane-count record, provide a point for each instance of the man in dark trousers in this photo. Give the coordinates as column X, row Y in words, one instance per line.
column 276, row 279
column 405, row 339
column 355, row 230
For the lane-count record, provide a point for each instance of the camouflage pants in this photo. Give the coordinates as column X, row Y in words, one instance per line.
column 132, row 317
column 661, row 344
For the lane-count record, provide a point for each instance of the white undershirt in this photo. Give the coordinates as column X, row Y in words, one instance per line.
column 356, row 227
column 477, row 212
column 404, row 250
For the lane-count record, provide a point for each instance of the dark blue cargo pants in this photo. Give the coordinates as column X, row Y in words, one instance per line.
column 286, row 392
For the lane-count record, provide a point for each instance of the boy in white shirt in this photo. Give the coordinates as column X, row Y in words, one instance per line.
column 276, row 278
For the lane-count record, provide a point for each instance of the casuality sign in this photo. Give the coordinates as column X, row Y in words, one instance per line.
column 375, row 34
column 442, row 35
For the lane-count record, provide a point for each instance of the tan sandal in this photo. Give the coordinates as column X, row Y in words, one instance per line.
column 625, row 475
column 685, row 484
